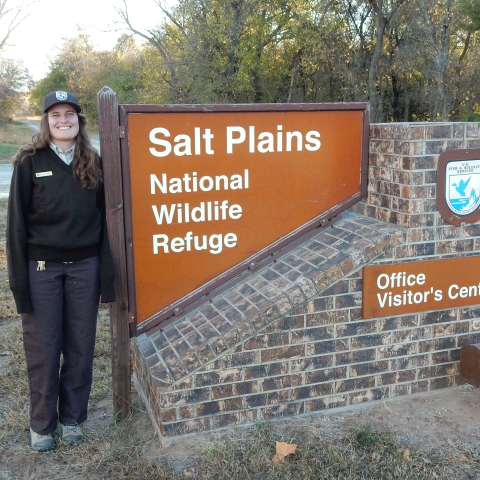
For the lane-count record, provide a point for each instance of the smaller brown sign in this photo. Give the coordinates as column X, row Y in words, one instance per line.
column 420, row 286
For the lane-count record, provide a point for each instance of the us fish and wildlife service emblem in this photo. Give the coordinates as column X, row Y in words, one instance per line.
column 463, row 182
column 61, row 95
column 458, row 186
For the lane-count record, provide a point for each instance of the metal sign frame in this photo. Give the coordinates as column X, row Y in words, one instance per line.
column 224, row 280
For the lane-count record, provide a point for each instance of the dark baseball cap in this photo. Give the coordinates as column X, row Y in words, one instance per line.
column 59, row 96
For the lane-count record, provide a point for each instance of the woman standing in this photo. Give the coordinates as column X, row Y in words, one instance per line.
column 59, row 264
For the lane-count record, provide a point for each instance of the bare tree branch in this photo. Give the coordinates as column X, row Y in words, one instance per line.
column 11, row 17
column 152, row 37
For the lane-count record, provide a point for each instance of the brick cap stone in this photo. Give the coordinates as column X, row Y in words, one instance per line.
column 275, row 291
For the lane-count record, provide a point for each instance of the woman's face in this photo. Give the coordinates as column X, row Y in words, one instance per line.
column 63, row 124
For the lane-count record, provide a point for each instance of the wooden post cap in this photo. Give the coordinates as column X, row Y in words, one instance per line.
column 470, row 364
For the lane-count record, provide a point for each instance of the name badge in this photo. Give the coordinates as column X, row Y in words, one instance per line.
column 44, row 174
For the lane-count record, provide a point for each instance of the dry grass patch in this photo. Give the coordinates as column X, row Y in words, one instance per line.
column 12, row 136
column 15, row 133
column 7, row 304
column 360, row 453
column 110, row 451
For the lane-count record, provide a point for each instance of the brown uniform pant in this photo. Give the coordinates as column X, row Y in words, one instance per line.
column 65, row 300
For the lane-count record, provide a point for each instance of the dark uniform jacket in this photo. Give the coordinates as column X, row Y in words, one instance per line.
column 51, row 217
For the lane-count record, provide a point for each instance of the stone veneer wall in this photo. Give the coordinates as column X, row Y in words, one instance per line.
column 290, row 338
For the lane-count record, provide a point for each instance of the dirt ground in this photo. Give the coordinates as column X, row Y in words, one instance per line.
column 440, row 420
column 444, row 421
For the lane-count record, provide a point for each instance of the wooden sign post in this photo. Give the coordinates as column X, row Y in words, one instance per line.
column 119, row 317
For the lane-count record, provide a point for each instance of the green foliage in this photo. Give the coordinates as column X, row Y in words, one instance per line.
column 14, row 78
column 467, row 115
column 412, row 59
column 364, row 437
column 80, row 69
column 55, row 80
column 471, row 8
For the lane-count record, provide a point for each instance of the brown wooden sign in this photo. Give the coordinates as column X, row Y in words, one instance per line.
column 213, row 190
column 390, row 290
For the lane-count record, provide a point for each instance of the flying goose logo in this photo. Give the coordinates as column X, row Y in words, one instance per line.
column 463, row 187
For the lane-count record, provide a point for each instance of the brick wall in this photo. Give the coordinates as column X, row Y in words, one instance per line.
column 290, row 339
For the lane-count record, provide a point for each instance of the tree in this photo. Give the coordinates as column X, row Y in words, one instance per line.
column 412, row 59
column 157, row 38
column 448, row 43
column 471, row 9
column 224, row 51
column 81, row 69
column 384, row 12
column 11, row 16
column 13, row 79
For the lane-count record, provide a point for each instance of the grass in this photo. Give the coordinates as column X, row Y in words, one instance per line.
column 7, row 305
column 12, row 136
column 360, row 454
column 7, row 151
column 115, row 451
column 112, row 450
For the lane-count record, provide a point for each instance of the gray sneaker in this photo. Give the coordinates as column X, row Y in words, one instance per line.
column 41, row 443
column 72, row 434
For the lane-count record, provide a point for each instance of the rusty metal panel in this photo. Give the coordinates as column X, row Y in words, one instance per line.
column 470, row 363
column 213, row 190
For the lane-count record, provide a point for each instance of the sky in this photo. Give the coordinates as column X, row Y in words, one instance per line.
column 39, row 36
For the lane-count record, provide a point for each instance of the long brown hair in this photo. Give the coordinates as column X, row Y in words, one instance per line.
column 86, row 163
